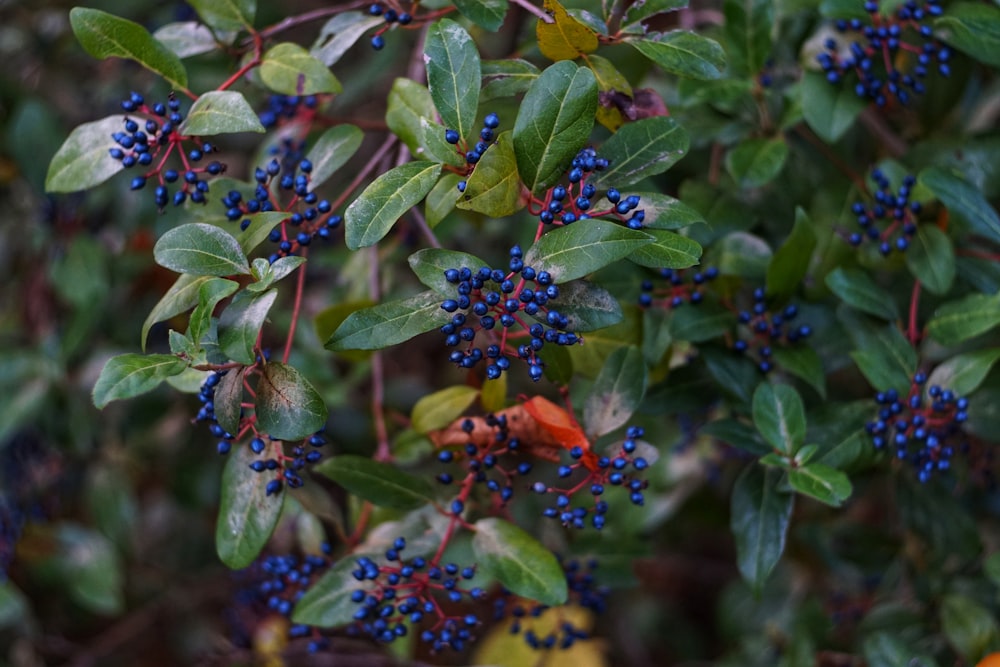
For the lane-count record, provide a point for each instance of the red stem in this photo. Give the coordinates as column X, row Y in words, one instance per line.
column 296, row 309
column 912, row 333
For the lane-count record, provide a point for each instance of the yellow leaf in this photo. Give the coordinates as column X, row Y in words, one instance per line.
column 503, row 649
column 609, row 81
column 565, row 38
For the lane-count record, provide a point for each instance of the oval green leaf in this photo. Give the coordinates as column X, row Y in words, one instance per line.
column 226, row 15
column 221, row 112
column 575, row 250
column 780, row 417
column 389, row 323
column 519, row 562
column 332, row 151
column 825, row 484
column 202, row 250
column 379, row 483
column 931, row 259
column 668, row 250
column 370, row 217
column 857, row 289
column 289, row 69
column 288, row 407
column 327, row 603
column 83, row 161
column 616, row 393
column 453, row 75
column 759, row 518
column 441, row 408
column 129, row 375
column 684, row 53
column 641, row 149
column 430, row 264
column 494, row 188
column 247, row 516
column 957, row 321
column 240, row 324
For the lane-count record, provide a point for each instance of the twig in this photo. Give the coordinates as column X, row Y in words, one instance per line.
column 540, row 13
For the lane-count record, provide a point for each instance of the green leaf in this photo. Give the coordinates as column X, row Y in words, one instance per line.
column 221, row 112
column 825, row 484
column 747, row 29
column 327, row 603
column 187, row 38
column 430, row 264
column 743, row 254
column 226, row 15
column 14, row 609
column 104, row 35
column 883, row 354
column 382, row 484
column 506, row 78
column 210, row 294
column 969, row 626
column 553, row 123
column 759, row 519
column 260, row 227
column 697, row 325
column 662, row 211
column 389, row 323
column 962, row 199
column 488, row 14
column 182, row 296
column 288, row 407
column 668, row 250
column 247, row 516
column 441, row 199
column 780, row 417
column 83, row 161
column 640, row 11
column 931, row 259
column 960, row 320
column 332, row 151
column 963, row 373
column 756, row 162
column 558, row 364
column 129, row 375
column 439, row 409
column 289, row 69
column 857, row 289
column 373, row 213
column 683, row 53
column 587, row 306
column 240, row 324
column 201, row 249
column 790, row 263
column 408, row 103
column 90, row 569
column 828, row 109
column 433, row 145
column 575, row 250
column 519, row 562
column 616, row 393
column 803, row 362
column 656, row 335
column 228, row 400
column 641, row 149
column 973, row 28
column 340, row 33
column 494, row 188
column 453, row 75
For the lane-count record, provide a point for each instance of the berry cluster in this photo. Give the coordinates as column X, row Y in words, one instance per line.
column 286, row 107
column 598, row 473
column 583, row 592
column 407, row 591
column 684, row 287
column 391, row 16
column 494, row 298
column 564, row 205
column 891, row 220
column 285, row 579
column 474, row 154
column 285, row 467
column 309, row 216
column 151, row 135
column 767, row 329
column 484, row 460
column 924, row 430
column 875, row 58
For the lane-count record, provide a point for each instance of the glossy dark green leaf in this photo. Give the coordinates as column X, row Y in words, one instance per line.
column 519, row 562
column 641, row 149
column 857, row 289
column 83, row 161
column 288, row 407
column 616, row 393
column 558, row 364
column 963, row 373
column 370, row 217
column 432, row 145
column 747, row 29
column 830, row 110
column 187, row 38
column 639, row 11
column 210, row 294
column 970, row 627
column 668, row 250
column 756, row 162
column 931, row 259
column 803, row 362
column 332, row 150
column 260, row 227
column 494, row 188
column 266, row 273
column 963, row 200
column 453, row 75
column 506, row 78
column 105, row 35
column 228, row 400
column 441, row 408
column 790, row 261
column 553, row 123
column 575, row 250
column 734, row 373
column 226, row 15
column 247, row 515
column 759, row 519
column 973, row 28
column 825, row 484
column 382, row 484
column 656, row 336
column 588, row 307
column 201, row 249
column 389, row 323
column 129, row 375
column 701, row 323
column 780, row 417
column 882, row 352
column 221, row 112
column 327, row 603
column 430, row 264
column 683, row 53
column 965, row 318
column 240, row 324
column 488, row 14
column 289, row 69
column 341, row 33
